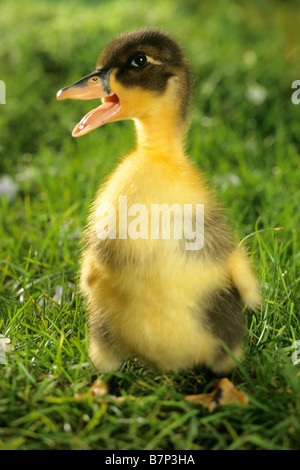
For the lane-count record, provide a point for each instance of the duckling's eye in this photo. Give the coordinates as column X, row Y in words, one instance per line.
column 139, row 61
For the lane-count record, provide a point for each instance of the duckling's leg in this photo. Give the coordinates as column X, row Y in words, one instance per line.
column 222, row 363
column 243, row 278
column 224, row 319
column 226, row 311
column 102, row 349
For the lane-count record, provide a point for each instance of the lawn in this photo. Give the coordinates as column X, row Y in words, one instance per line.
column 244, row 135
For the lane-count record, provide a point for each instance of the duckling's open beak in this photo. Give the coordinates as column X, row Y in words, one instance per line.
column 94, row 85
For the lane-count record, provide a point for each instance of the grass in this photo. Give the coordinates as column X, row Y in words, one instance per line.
column 244, row 135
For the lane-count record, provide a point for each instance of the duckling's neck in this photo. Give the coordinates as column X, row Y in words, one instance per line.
column 161, row 137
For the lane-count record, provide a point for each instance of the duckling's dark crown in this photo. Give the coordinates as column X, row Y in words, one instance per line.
column 167, row 60
column 160, row 44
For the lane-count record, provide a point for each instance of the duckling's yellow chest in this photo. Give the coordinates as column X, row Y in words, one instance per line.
column 147, row 210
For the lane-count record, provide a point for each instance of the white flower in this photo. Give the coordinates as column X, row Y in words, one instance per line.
column 256, row 94
column 8, row 187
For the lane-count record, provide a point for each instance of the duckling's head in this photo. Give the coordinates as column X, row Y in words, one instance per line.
column 141, row 75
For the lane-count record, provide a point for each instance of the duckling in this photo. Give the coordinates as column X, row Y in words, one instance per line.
column 153, row 296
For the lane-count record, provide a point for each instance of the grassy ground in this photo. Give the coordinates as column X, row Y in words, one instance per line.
column 244, row 135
